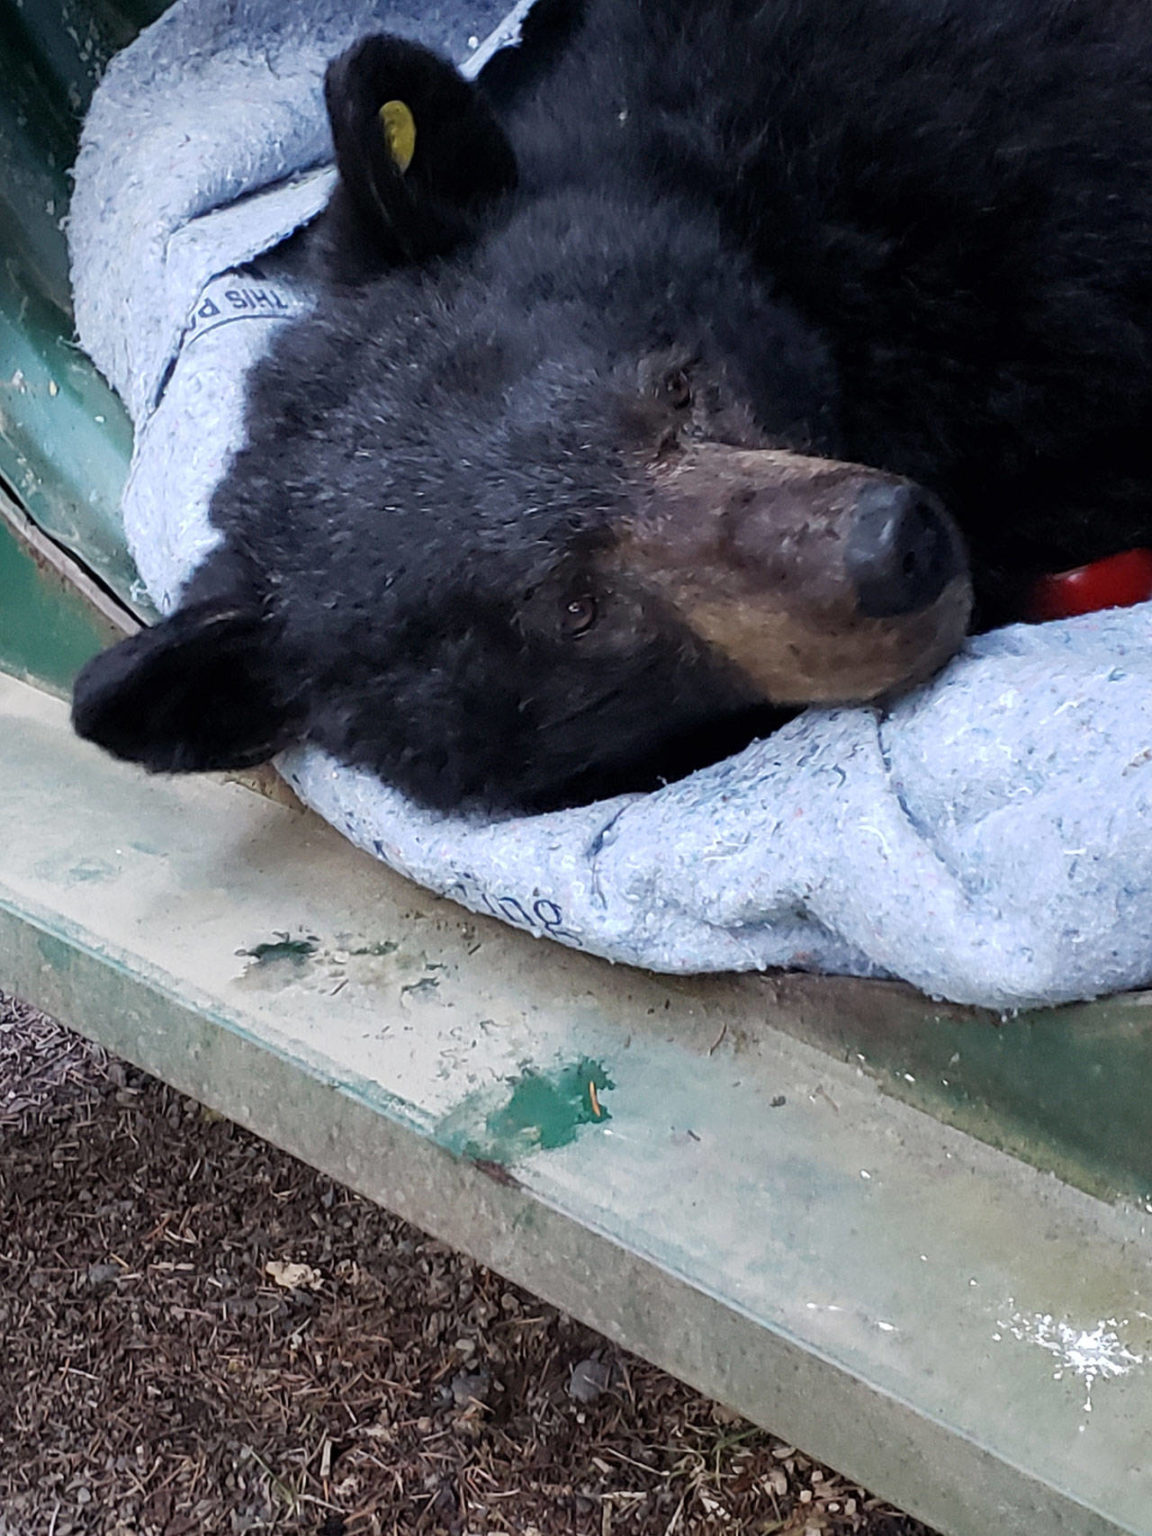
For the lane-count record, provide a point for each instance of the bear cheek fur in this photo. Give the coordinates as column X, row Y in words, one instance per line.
column 750, row 549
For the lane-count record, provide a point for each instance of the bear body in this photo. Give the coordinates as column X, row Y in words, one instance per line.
column 644, row 395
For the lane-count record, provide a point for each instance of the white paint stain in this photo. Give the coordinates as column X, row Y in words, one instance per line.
column 870, row 1322
column 1093, row 1354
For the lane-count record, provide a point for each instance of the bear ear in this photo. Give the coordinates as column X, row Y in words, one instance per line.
column 420, row 157
column 520, row 67
column 196, row 692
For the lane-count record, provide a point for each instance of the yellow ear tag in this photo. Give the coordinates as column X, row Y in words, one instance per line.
column 400, row 130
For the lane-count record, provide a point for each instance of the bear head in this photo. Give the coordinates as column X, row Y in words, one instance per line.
column 541, row 503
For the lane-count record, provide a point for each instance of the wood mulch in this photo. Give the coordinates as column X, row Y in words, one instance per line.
column 198, row 1334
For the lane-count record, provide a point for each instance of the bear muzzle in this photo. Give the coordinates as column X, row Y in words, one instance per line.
column 820, row 581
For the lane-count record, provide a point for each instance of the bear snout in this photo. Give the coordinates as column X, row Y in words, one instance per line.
column 820, row 581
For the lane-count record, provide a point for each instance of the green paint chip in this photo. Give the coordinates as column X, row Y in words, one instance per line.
column 534, row 1111
column 550, row 1110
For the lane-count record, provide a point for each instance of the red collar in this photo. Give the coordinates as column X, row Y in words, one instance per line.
column 1116, row 582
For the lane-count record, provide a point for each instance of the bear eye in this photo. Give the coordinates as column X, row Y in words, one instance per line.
column 578, row 614
column 678, row 389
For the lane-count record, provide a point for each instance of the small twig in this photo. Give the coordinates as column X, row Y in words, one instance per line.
column 675, row 1520
column 821, row 1093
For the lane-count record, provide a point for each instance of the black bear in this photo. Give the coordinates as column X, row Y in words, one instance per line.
column 643, row 372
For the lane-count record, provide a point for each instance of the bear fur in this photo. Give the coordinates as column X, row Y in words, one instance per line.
column 910, row 236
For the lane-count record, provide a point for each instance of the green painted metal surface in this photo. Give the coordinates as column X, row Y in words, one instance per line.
column 47, row 630
column 969, row 1336
column 65, row 439
column 1067, row 1089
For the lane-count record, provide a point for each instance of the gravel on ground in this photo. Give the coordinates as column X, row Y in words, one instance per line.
column 200, row 1335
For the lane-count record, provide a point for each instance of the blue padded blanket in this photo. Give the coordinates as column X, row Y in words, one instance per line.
column 989, row 838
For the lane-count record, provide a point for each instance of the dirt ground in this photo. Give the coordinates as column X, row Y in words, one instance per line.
column 198, row 1334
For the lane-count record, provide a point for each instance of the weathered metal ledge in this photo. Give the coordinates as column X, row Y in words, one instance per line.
column 967, row 1335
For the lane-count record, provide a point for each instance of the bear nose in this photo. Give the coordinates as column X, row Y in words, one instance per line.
column 902, row 549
